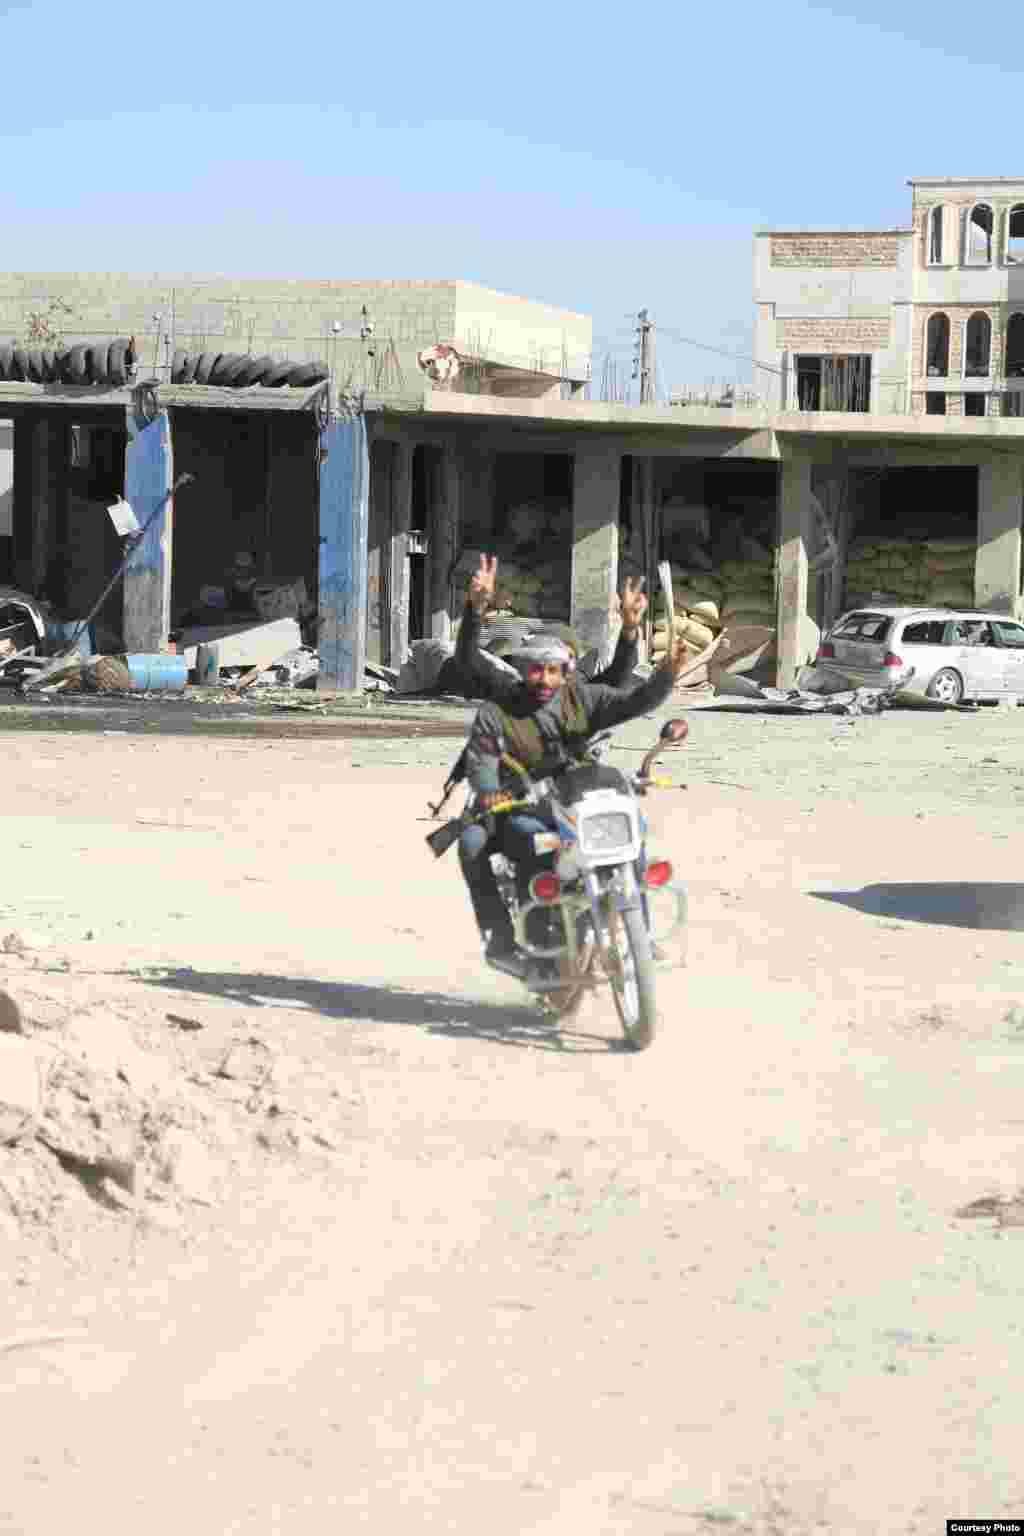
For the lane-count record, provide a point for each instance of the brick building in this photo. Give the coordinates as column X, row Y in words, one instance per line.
column 923, row 320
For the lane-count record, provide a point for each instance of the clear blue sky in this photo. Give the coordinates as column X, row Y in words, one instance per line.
column 597, row 158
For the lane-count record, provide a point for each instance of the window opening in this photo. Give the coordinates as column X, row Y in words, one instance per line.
column 1015, row 347
column 935, row 404
column 928, row 632
column 1015, row 236
column 974, row 405
column 937, row 346
column 1009, row 634
column 834, row 383
column 935, row 236
column 979, row 235
column 978, row 347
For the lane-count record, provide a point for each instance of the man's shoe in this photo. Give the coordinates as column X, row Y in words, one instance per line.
column 504, row 953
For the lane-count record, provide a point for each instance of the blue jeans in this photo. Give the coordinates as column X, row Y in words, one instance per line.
column 513, row 836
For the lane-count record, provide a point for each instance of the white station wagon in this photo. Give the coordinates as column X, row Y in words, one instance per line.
column 955, row 654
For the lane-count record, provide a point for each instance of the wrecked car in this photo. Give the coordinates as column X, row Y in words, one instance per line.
column 947, row 655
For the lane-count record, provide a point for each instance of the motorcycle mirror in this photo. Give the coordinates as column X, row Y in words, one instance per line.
column 675, row 731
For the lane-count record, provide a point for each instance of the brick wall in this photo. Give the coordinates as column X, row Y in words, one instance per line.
column 816, row 335
column 835, row 250
column 958, row 316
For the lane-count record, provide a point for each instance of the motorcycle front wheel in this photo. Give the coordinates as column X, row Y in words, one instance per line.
column 633, row 978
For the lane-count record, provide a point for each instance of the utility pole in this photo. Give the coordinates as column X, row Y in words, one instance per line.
column 644, row 486
column 643, row 363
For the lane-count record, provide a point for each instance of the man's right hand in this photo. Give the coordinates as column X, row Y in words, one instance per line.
column 481, row 584
column 678, row 657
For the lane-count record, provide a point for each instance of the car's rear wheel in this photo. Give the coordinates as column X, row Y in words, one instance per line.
column 947, row 686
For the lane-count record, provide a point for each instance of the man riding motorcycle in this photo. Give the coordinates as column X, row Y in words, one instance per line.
column 543, row 722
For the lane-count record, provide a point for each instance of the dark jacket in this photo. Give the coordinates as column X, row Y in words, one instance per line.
column 469, row 674
column 604, row 707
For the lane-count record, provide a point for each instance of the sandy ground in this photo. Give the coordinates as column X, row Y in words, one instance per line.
column 504, row 1278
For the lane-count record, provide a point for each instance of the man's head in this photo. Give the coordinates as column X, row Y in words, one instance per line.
column 569, row 639
column 543, row 665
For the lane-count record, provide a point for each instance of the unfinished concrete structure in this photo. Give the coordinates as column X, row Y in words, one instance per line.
column 368, row 333
column 927, row 319
column 621, row 466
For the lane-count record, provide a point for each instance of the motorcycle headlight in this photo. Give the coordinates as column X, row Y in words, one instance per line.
column 606, row 832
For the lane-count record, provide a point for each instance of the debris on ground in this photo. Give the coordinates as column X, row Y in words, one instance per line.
column 295, row 669
column 738, row 691
column 253, row 644
column 109, row 1111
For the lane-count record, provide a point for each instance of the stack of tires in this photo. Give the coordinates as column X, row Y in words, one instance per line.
column 235, row 370
column 111, row 363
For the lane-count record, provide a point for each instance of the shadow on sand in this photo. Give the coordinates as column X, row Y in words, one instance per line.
column 953, row 904
column 457, row 1018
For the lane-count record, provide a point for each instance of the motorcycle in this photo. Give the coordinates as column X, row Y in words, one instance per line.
column 594, row 905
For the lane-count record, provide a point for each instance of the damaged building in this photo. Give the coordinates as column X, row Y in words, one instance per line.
column 373, row 505
column 925, row 319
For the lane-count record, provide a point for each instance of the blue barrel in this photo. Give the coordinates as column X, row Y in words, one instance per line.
column 59, row 635
column 158, row 674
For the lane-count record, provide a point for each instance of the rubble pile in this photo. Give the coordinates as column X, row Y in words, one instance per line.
column 109, row 1113
column 911, row 572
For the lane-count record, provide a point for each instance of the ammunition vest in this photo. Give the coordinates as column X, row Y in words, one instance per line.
column 544, row 750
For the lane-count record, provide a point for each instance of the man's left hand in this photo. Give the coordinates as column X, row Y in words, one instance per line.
column 633, row 604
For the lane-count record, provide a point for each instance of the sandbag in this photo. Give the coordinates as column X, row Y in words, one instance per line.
column 706, row 613
column 696, row 633
column 736, row 573
column 949, row 565
column 960, row 596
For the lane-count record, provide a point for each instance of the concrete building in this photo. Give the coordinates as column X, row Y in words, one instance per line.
column 625, row 477
column 368, row 333
column 255, row 466
column 927, row 319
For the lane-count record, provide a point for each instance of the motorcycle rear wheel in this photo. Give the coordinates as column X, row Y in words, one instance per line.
column 633, row 979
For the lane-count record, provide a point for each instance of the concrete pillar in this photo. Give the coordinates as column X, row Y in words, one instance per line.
column 398, row 566
column 595, row 544
column 997, row 568
column 147, row 579
column 444, row 538
column 43, row 511
column 796, row 530
column 24, row 541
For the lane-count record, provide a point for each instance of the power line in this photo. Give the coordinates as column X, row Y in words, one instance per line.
column 644, row 363
column 704, row 346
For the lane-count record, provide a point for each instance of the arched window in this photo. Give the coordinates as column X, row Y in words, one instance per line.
column 1015, row 347
column 977, row 347
column 935, row 223
column 1015, row 236
column 980, row 224
column 937, row 346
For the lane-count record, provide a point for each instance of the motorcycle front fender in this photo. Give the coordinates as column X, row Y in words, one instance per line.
column 626, row 889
